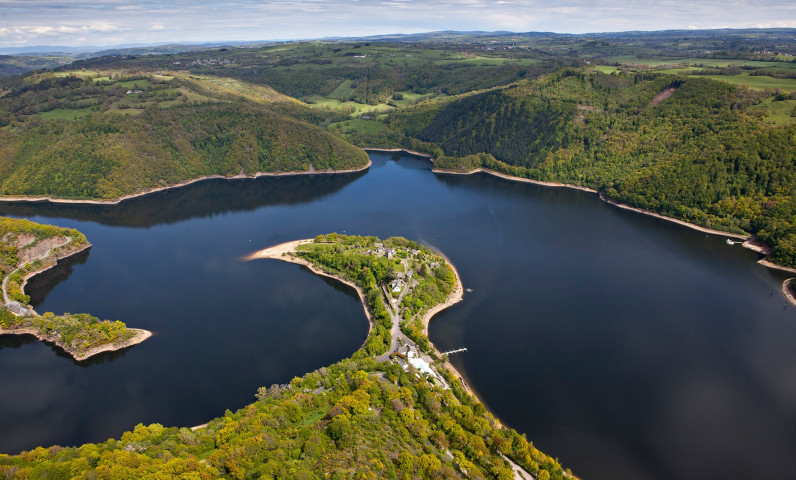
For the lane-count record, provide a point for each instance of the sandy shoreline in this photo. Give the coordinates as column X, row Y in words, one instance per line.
column 58, row 258
column 455, row 297
column 402, row 150
column 749, row 242
column 279, row 252
column 139, row 336
column 178, row 185
column 788, row 291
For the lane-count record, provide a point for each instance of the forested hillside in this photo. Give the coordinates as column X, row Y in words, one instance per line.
column 687, row 147
column 88, row 137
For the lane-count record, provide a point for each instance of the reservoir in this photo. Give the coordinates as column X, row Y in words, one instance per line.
column 626, row 346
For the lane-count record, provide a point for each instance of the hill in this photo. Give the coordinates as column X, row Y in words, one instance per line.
column 687, row 147
column 104, row 135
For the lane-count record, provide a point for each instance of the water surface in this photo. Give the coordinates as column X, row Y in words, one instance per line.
column 628, row 347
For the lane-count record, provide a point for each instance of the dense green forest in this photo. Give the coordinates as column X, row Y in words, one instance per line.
column 88, row 137
column 358, row 418
column 687, row 147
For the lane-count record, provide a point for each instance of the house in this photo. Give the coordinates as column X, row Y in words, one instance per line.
column 396, row 285
column 390, row 253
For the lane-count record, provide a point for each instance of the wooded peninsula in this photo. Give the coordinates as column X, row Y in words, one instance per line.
column 28, row 249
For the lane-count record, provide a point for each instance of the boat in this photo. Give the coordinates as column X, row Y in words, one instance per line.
column 468, row 290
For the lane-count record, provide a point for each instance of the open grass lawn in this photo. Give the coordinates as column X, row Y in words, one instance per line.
column 606, row 69
column 65, row 113
column 757, row 82
column 344, row 90
column 780, row 113
column 364, row 127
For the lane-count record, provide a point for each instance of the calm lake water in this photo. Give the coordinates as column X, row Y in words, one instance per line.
column 628, row 347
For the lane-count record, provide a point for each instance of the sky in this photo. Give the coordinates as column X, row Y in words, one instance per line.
column 114, row 22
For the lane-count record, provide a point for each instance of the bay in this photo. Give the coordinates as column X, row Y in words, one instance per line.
column 626, row 346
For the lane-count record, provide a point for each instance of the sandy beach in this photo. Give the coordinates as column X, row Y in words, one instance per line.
column 140, row 336
column 179, row 185
column 280, row 251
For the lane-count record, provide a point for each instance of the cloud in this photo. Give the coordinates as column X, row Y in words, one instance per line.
column 126, row 21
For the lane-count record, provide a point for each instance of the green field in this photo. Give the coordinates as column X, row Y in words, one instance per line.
column 757, row 82
column 364, row 127
column 65, row 113
column 777, row 112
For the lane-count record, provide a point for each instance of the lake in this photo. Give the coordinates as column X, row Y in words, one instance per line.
column 626, row 346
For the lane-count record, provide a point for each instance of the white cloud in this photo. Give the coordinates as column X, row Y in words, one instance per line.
column 73, row 22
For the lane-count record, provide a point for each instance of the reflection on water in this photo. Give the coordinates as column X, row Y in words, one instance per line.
column 39, row 286
column 202, row 199
column 628, row 347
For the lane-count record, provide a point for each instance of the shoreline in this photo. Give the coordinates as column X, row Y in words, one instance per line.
column 455, row 297
column 400, row 150
column 788, row 291
column 278, row 252
column 139, row 336
column 58, row 258
column 749, row 242
column 185, row 183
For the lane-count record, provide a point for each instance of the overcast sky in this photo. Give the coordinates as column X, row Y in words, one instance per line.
column 110, row 22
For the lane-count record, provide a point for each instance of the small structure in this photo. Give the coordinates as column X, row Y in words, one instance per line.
column 396, row 285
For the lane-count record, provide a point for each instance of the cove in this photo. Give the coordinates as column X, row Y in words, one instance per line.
column 625, row 346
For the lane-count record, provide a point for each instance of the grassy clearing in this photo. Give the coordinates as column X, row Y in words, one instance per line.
column 344, row 90
column 357, row 109
column 780, row 112
column 695, row 61
column 605, row 69
column 757, row 82
column 488, row 61
column 257, row 93
column 363, row 127
column 65, row 113
column 139, row 84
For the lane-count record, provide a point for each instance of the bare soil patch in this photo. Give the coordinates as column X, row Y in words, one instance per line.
column 657, row 99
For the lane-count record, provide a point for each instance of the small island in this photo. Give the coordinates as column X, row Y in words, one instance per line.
column 28, row 249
